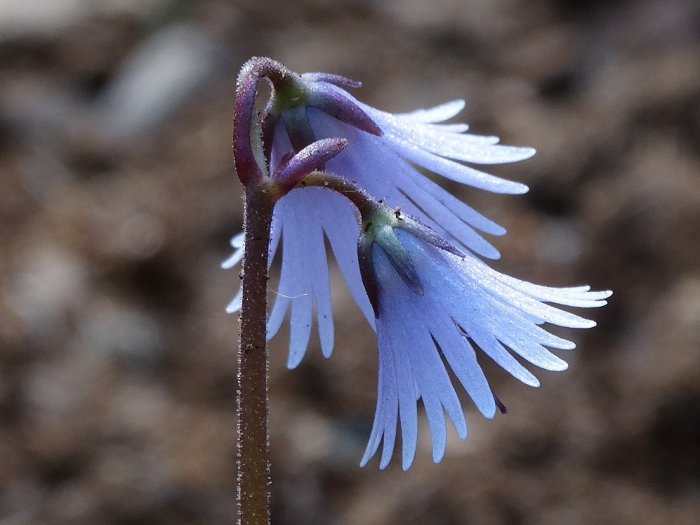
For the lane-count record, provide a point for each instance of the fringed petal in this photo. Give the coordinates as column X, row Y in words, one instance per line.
column 237, row 245
column 453, row 170
column 437, row 306
column 438, row 113
column 462, row 360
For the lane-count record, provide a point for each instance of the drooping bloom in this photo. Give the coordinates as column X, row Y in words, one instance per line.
column 421, row 283
column 382, row 156
column 438, row 308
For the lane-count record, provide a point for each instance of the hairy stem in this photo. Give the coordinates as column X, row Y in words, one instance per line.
column 252, row 453
column 363, row 201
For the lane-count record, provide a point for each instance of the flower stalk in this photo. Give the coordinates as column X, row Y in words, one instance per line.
column 262, row 190
column 252, row 453
column 252, row 448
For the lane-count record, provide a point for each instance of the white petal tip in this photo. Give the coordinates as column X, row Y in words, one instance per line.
column 520, row 189
column 327, row 347
column 462, row 431
column 294, row 360
column 234, row 305
column 558, row 367
column 237, row 240
column 528, row 152
column 489, row 414
column 437, row 456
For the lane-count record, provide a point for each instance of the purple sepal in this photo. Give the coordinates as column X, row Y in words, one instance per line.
column 399, row 258
column 421, row 231
column 503, row 409
column 336, row 105
column 298, row 127
column 337, row 80
column 369, row 279
column 292, row 169
column 246, row 132
column 243, row 157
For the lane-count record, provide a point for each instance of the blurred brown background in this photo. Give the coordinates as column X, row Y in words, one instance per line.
column 117, row 200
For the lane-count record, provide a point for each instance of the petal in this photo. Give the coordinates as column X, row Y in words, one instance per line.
column 300, row 329
column 377, row 427
column 296, row 284
column 464, row 212
column 465, row 147
column 462, row 360
column 318, row 268
column 535, row 354
column 394, row 342
column 451, row 128
column 236, row 302
column 453, row 170
column 453, row 225
column 341, row 228
column 438, row 113
column 237, row 245
column 391, row 399
column 500, row 355
column 575, row 296
column 366, row 156
column 401, row 330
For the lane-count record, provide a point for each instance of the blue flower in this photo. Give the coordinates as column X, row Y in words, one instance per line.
column 437, row 309
column 382, row 156
column 417, row 274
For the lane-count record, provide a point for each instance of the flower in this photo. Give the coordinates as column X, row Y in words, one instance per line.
column 385, row 165
column 382, row 157
column 438, row 308
column 417, row 271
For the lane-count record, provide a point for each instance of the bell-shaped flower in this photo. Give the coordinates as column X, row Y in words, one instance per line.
column 384, row 155
column 438, row 309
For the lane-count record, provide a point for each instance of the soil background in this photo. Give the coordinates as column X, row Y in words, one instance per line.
column 118, row 198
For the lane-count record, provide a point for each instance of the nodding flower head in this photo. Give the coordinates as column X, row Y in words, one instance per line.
column 292, row 98
column 438, row 309
column 385, row 152
column 417, row 272
column 379, row 228
column 383, row 155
